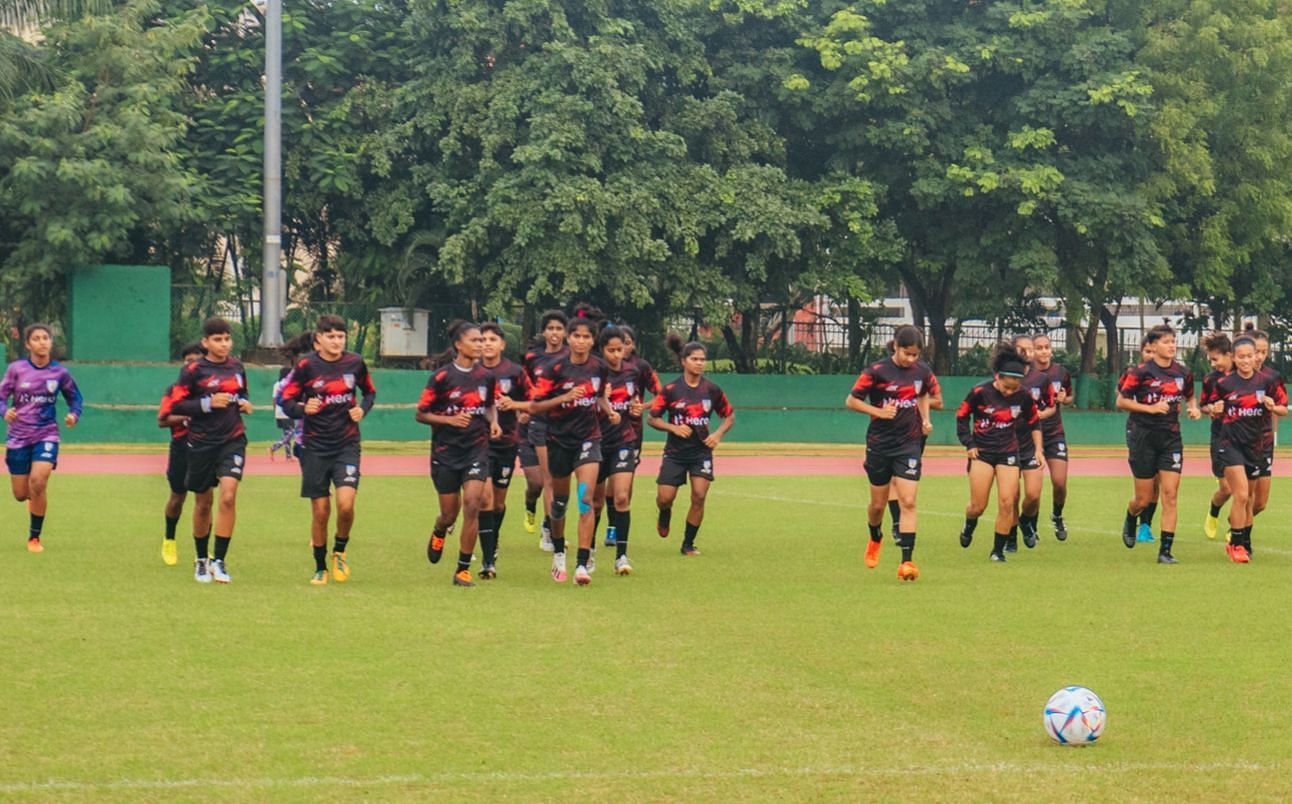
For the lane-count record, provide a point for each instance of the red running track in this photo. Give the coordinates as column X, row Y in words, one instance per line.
column 732, row 465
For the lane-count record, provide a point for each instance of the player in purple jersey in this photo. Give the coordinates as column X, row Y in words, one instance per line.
column 212, row 392
column 1247, row 398
column 571, row 392
column 1154, row 393
column 1220, row 354
column 987, row 424
column 1053, row 439
column 458, row 404
column 28, row 394
column 176, row 462
column 323, row 391
column 895, row 393
column 684, row 410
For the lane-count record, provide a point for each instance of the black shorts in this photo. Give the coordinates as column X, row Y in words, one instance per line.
column 1027, row 456
column 673, row 471
column 994, row 459
column 617, row 461
column 1055, row 449
column 208, row 463
column 1230, row 454
column 177, row 466
column 1267, row 462
column 528, row 455
column 537, row 431
column 449, row 477
column 881, row 469
column 1217, row 466
column 502, row 463
column 1153, row 451
column 323, row 468
column 563, row 460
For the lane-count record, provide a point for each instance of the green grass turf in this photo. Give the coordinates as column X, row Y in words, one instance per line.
column 775, row 666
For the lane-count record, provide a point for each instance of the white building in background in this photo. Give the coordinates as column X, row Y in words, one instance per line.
column 822, row 324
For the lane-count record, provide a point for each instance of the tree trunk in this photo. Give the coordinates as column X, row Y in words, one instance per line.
column 1090, row 343
column 742, row 347
column 1112, row 335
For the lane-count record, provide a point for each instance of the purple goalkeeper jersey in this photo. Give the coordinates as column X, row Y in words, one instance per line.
column 34, row 391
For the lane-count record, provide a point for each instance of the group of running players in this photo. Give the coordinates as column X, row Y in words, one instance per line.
column 1012, row 430
column 572, row 413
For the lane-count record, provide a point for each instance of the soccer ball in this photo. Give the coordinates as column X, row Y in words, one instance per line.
column 1075, row 716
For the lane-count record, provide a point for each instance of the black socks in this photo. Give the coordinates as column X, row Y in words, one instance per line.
column 895, row 511
column 691, row 531
column 1146, row 516
column 1168, row 538
column 201, row 543
column 37, row 523
column 998, row 545
column 221, row 547
column 464, row 562
column 1214, row 511
column 320, row 557
column 665, row 517
column 488, row 538
column 620, row 521
column 583, row 554
column 875, row 534
column 907, row 542
column 171, row 522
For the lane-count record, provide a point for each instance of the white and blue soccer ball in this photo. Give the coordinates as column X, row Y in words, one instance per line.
column 1075, row 716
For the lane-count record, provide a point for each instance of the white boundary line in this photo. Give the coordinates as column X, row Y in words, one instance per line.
column 978, row 768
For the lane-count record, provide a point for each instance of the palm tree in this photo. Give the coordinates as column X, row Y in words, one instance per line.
column 23, row 16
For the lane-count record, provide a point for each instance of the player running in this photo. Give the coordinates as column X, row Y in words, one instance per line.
column 458, row 404
column 537, row 363
column 512, row 383
column 683, row 411
column 1247, row 397
column 647, row 382
column 1035, row 385
column 176, row 462
column 895, row 394
column 212, row 393
column 1153, row 393
column 1054, row 441
column 323, row 389
column 987, row 424
column 570, row 391
column 619, row 444
column 1220, row 355
column 28, row 396
column 1261, row 492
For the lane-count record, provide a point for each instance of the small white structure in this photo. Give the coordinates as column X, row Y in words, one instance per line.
column 404, row 332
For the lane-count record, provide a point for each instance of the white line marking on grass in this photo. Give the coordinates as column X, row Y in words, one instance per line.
column 980, row 768
column 990, row 514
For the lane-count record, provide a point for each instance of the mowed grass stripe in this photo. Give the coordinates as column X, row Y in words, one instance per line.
column 774, row 665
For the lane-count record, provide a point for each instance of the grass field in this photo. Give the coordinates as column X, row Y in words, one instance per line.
column 775, row 666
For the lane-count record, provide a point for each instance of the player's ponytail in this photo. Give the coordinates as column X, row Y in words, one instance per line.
column 906, row 336
column 1005, row 360
column 1218, row 342
column 683, row 349
column 301, row 344
column 457, row 330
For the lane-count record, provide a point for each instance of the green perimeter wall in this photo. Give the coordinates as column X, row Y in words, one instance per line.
column 119, row 312
column 122, row 403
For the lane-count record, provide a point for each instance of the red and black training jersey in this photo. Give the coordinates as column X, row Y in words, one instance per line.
column 625, row 386
column 452, row 390
column 177, row 431
column 1211, row 395
column 679, row 403
column 538, row 363
column 1148, row 383
column 1267, row 440
column 1246, row 416
column 191, row 397
column 993, row 422
column 1036, row 386
column 338, row 385
column 576, row 420
column 650, row 383
column 1058, row 378
column 885, row 384
column 511, row 381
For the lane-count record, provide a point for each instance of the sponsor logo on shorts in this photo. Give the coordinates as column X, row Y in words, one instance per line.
column 1011, row 460
column 708, row 466
column 623, row 454
column 506, row 471
column 585, row 450
column 237, row 460
column 1175, row 460
column 350, row 469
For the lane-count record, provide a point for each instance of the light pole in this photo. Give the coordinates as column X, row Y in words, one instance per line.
column 273, row 283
